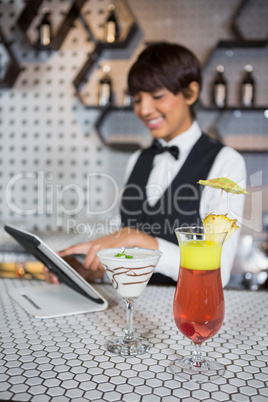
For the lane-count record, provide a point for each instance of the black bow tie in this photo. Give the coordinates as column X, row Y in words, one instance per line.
column 158, row 148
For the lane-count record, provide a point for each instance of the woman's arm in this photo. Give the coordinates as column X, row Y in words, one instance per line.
column 125, row 237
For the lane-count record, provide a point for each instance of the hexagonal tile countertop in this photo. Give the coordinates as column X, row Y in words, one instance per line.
column 65, row 359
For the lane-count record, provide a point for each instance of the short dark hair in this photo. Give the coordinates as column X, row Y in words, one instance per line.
column 165, row 65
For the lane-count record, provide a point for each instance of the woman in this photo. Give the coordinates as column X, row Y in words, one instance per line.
column 161, row 190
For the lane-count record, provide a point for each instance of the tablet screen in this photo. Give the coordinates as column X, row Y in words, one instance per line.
column 66, row 274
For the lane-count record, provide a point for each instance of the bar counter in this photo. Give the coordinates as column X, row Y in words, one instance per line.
column 65, row 359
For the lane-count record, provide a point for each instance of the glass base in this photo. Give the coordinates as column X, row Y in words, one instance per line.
column 123, row 347
column 205, row 371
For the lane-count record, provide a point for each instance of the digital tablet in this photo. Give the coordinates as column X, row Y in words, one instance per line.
column 66, row 274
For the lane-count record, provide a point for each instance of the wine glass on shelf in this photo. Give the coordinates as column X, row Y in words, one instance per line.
column 198, row 307
column 129, row 270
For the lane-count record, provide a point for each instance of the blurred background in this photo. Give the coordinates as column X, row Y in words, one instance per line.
column 62, row 156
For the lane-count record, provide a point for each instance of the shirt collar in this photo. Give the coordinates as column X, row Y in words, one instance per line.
column 186, row 140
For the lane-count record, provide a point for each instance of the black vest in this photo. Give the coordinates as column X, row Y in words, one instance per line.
column 179, row 205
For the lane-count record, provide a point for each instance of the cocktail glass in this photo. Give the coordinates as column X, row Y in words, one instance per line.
column 129, row 271
column 198, row 307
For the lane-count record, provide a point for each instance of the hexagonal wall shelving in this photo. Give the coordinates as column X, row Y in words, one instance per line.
column 9, row 67
column 30, row 17
column 120, row 49
column 234, row 55
column 105, row 51
column 120, row 129
column 243, row 26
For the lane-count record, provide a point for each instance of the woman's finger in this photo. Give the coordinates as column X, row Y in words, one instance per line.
column 77, row 249
column 91, row 256
column 50, row 277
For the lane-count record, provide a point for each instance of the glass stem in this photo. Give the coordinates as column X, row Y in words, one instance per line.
column 129, row 335
column 197, row 357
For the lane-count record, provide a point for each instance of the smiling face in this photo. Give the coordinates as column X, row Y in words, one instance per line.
column 166, row 115
column 165, row 81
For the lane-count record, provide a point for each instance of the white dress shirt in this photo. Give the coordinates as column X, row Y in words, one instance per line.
column 227, row 163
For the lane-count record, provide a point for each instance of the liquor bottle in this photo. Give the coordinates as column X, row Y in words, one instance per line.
column 105, row 88
column 248, row 87
column 111, row 26
column 220, row 88
column 45, row 28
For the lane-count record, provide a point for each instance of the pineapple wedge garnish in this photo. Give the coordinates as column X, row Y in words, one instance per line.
column 219, row 224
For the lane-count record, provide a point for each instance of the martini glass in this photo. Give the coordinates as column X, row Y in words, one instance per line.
column 129, row 270
column 198, row 307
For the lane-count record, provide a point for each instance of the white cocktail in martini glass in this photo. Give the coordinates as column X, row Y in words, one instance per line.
column 129, row 270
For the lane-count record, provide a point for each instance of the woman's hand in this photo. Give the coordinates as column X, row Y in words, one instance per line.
column 125, row 237
column 50, row 277
column 93, row 268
